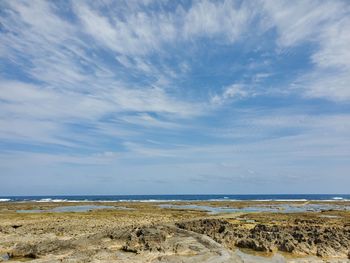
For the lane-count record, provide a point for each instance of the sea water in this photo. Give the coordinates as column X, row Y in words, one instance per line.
column 168, row 198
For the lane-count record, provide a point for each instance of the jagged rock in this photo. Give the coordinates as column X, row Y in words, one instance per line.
column 252, row 244
column 287, row 246
column 150, row 239
column 306, row 237
column 172, row 244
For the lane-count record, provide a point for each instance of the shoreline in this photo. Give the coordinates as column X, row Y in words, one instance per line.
column 145, row 230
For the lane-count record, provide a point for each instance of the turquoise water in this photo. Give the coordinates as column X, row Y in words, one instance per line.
column 78, row 208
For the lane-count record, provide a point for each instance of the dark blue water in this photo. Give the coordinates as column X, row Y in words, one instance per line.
column 158, row 198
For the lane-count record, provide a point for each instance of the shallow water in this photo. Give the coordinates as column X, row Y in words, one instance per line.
column 77, row 208
column 283, row 208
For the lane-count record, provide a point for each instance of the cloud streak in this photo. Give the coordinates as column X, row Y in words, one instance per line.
column 151, row 89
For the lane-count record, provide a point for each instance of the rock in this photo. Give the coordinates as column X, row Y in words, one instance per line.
column 252, row 244
column 287, row 246
column 148, row 238
column 34, row 250
column 174, row 245
column 307, row 236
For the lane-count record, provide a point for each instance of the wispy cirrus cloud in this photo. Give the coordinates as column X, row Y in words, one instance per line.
column 137, row 34
column 325, row 25
column 228, row 20
column 154, row 89
column 68, row 81
column 309, row 18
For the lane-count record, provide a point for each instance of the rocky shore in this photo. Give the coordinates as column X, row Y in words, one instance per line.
column 301, row 237
column 147, row 233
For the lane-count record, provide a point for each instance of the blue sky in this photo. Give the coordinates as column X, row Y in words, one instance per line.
column 166, row 97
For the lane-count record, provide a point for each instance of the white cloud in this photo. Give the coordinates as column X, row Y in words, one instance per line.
column 37, row 108
column 138, row 34
column 235, row 91
column 227, row 19
column 147, row 120
column 334, row 45
column 42, row 102
column 331, row 76
column 326, row 24
column 69, row 82
column 301, row 21
column 38, row 16
column 328, row 85
column 154, row 100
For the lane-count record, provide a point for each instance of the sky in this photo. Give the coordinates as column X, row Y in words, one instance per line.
column 174, row 97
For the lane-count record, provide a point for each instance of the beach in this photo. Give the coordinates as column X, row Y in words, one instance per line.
column 190, row 231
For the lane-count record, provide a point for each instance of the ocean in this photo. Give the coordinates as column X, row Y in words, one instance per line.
column 168, row 198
